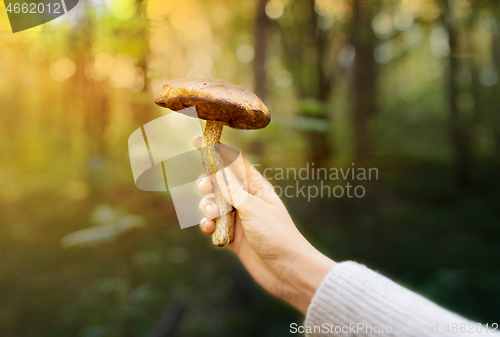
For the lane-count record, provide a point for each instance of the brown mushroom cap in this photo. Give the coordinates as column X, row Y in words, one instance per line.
column 215, row 100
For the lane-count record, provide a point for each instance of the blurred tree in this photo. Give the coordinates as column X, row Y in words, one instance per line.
column 262, row 25
column 459, row 130
column 493, row 117
column 307, row 54
column 262, row 31
column 141, row 104
column 91, row 100
column 363, row 88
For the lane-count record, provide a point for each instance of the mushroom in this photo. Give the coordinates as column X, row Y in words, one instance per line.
column 219, row 103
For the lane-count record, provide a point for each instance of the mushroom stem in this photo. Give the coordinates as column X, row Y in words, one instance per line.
column 212, row 161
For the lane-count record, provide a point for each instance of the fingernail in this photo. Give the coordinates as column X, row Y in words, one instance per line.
column 208, row 209
column 200, row 180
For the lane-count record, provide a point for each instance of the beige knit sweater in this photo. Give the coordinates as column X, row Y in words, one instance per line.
column 353, row 300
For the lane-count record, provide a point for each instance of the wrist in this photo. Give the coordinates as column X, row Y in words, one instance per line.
column 309, row 269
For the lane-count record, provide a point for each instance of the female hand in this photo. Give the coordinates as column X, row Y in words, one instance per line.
column 266, row 240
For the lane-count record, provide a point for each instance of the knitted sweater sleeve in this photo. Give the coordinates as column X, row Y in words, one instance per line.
column 353, row 300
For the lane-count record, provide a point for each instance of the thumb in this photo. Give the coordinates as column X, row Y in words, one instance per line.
column 232, row 191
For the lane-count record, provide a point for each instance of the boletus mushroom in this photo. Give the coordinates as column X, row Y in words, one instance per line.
column 219, row 103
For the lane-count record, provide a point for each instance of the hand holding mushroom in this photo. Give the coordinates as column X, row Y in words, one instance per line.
column 266, row 240
column 219, row 103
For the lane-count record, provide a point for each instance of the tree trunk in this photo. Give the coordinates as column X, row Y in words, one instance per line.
column 458, row 134
column 494, row 117
column 141, row 106
column 313, row 79
column 262, row 30
column 261, row 34
column 363, row 85
column 320, row 149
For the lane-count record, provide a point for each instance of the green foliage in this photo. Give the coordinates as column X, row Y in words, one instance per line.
column 311, row 106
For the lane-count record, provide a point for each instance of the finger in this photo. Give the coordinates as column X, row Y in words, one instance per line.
column 207, row 226
column 197, row 142
column 204, row 185
column 251, row 178
column 233, row 192
column 209, row 208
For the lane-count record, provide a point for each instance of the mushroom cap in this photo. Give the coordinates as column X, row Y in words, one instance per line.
column 215, row 100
